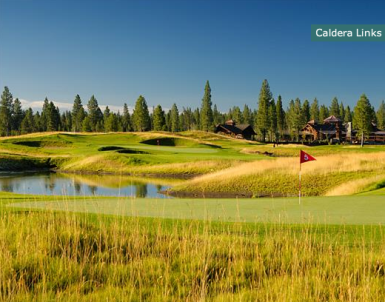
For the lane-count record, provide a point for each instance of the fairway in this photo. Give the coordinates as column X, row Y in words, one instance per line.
column 321, row 210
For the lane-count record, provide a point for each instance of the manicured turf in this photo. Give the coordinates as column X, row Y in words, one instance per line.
column 329, row 210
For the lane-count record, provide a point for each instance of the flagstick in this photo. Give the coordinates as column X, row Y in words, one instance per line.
column 299, row 195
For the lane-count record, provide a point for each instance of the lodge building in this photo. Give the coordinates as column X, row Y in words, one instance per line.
column 334, row 129
column 231, row 128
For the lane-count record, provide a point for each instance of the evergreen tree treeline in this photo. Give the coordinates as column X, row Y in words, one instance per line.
column 270, row 120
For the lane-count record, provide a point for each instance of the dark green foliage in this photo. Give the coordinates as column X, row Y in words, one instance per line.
column 17, row 116
column 86, row 125
column 188, row 119
column 159, row 120
column 335, row 108
column 111, row 123
column 323, row 113
column 272, row 120
column 342, row 111
column 264, row 100
column 305, row 112
column 52, row 117
column 28, row 122
column 126, row 119
column 174, row 118
column 363, row 115
column 44, row 115
column 66, row 121
column 348, row 115
column 5, row 112
column 78, row 114
column 37, row 120
column 237, row 115
column 280, row 116
column 95, row 115
column 141, row 115
column 197, row 119
column 381, row 115
column 314, row 111
column 206, row 113
column 217, row 117
column 247, row 115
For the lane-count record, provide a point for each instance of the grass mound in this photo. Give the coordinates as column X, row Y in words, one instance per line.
column 177, row 142
column 110, row 148
column 42, row 143
column 23, row 163
column 170, row 142
column 121, row 150
column 330, row 175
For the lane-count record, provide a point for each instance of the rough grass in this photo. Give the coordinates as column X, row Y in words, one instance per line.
column 338, row 174
column 135, row 153
column 67, row 257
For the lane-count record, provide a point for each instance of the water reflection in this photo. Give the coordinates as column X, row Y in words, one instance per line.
column 95, row 185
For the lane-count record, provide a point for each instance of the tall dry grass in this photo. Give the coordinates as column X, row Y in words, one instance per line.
column 281, row 175
column 66, row 257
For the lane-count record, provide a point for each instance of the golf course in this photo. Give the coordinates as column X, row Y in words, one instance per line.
column 232, row 228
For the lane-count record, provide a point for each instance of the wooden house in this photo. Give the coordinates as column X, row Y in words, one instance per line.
column 244, row 131
column 333, row 129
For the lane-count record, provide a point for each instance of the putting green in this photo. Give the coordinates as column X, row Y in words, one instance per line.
column 324, row 210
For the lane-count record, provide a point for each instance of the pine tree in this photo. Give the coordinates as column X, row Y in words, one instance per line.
column 289, row 116
column 206, row 113
column 5, row 112
column 52, row 117
column 363, row 115
column 348, row 115
column 314, row 111
column 86, row 125
column 17, row 116
column 106, row 113
column 77, row 114
column 265, row 97
column 188, row 119
column 217, row 118
column 174, row 118
column 159, row 119
column 197, row 119
column 323, row 113
column 37, row 122
column 280, row 117
column 342, row 111
column 95, row 115
column 44, row 115
column 126, row 119
column 237, row 115
column 273, row 120
column 305, row 112
column 141, row 115
column 381, row 115
column 335, row 108
column 247, row 115
column 297, row 117
column 111, row 122
column 28, row 123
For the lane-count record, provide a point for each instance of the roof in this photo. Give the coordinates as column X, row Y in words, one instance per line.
column 236, row 129
column 324, row 128
column 332, row 119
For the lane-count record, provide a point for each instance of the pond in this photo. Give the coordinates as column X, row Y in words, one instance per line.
column 84, row 185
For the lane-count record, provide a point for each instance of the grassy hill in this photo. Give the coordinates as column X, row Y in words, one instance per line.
column 224, row 166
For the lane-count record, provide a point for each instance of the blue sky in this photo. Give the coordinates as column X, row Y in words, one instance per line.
column 166, row 50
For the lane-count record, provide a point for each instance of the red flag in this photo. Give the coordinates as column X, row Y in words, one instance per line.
column 304, row 157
